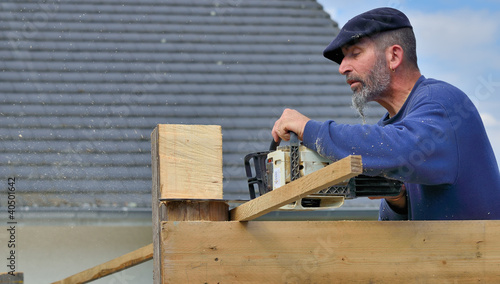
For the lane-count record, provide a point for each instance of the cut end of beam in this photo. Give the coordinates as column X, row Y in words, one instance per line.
column 188, row 161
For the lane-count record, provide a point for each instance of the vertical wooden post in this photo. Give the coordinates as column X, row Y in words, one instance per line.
column 187, row 179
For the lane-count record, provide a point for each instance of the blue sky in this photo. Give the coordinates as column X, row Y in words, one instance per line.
column 457, row 41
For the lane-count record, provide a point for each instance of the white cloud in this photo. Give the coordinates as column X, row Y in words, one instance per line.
column 492, row 125
column 333, row 12
column 490, row 120
column 342, row 11
column 457, row 46
column 454, row 45
column 463, row 36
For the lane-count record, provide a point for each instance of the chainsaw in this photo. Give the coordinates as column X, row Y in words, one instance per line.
column 283, row 164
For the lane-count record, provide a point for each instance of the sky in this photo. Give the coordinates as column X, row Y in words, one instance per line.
column 457, row 42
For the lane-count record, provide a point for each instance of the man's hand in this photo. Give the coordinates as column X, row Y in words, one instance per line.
column 397, row 203
column 290, row 120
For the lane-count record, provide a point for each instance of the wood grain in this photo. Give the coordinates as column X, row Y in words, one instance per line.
column 189, row 161
column 330, row 175
column 186, row 163
column 332, row 252
column 118, row 264
column 197, row 210
column 159, row 211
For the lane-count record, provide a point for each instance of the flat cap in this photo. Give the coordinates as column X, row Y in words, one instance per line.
column 366, row 24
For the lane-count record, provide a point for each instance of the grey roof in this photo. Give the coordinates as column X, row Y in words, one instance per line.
column 83, row 84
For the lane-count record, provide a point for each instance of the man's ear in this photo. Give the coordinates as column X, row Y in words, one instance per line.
column 394, row 55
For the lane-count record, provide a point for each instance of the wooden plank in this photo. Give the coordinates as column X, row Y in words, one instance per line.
column 332, row 252
column 197, row 210
column 118, row 264
column 330, row 175
column 186, row 163
column 159, row 212
column 189, row 161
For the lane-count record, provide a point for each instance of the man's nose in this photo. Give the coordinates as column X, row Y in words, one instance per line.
column 344, row 67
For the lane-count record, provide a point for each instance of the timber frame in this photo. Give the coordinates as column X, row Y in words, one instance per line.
column 196, row 239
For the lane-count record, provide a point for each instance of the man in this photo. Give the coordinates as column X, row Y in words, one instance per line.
column 432, row 136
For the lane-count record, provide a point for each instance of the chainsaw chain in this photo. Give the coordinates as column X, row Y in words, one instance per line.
column 335, row 190
column 294, row 158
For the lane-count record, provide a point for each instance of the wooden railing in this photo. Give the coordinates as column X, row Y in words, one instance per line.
column 196, row 239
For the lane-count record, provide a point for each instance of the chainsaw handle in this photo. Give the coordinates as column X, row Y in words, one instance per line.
column 293, row 139
column 274, row 145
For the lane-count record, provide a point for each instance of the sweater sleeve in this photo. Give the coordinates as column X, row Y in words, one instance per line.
column 417, row 148
column 387, row 214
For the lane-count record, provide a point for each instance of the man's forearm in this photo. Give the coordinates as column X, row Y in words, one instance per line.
column 398, row 204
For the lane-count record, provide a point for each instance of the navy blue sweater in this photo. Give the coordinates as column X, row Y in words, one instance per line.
column 436, row 144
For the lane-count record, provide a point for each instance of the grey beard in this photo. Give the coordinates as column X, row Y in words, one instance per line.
column 359, row 101
column 376, row 84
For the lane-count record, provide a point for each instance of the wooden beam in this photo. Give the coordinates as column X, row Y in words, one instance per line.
column 186, row 163
column 118, row 264
column 332, row 252
column 197, row 210
column 159, row 212
column 330, row 175
column 188, row 159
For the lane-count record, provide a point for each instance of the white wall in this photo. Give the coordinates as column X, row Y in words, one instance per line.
column 49, row 253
